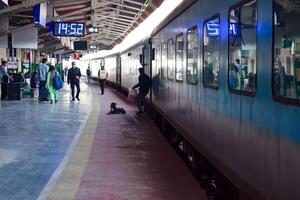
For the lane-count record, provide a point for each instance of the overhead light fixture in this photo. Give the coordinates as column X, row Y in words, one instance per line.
column 93, row 30
column 93, row 47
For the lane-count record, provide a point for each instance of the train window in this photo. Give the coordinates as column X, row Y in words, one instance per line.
column 179, row 57
column 158, row 60
column 192, row 55
column 163, row 61
column 211, row 52
column 170, row 55
column 242, row 48
column 286, row 62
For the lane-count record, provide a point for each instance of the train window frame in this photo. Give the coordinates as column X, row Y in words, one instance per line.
column 170, row 41
column 216, row 16
column 278, row 98
column 233, row 91
column 186, row 50
column 162, row 68
column 182, row 62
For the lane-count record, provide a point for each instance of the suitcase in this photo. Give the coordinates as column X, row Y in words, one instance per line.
column 43, row 93
column 13, row 91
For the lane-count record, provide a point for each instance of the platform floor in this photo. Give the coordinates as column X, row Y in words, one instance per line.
column 74, row 150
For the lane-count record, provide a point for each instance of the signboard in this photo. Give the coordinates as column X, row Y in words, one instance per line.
column 40, row 14
column 213, row 29
column 68, row 29
column 12, row 65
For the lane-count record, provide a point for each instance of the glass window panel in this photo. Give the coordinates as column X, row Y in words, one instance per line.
column 171, row 60
column 192, row 56
column 242, row 47
column 211, row 53
column 179, row 57
column 158, row 60
column 286, row 66
column 164, row 61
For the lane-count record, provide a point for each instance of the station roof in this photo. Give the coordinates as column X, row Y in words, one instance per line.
column 114, row 18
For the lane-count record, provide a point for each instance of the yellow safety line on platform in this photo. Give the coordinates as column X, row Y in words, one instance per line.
column 69, row 181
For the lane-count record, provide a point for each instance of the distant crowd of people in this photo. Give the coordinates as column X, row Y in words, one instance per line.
column 48, row 82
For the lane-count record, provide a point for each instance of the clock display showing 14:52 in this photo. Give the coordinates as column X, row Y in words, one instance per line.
column 74, row 29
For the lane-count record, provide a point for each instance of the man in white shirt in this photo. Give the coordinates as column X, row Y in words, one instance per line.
column 102, row 75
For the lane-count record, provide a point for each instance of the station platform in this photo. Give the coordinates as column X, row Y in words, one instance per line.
column 74, row 150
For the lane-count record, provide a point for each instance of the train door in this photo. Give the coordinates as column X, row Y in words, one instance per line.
column 118, row 71
column 147, row 62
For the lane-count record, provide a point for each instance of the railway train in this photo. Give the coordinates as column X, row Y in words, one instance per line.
column 225, row 91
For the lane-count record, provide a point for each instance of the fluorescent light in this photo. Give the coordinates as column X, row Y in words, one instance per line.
column 142, row 32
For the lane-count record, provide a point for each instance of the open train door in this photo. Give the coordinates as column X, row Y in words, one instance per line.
column 118, row 72
column 146, row 61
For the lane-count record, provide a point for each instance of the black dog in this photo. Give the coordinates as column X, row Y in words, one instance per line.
column 115, row 110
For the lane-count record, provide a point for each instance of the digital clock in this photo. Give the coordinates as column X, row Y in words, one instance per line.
column 68, row 29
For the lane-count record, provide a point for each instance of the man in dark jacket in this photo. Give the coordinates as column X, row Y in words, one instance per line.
column 144, row 86
column 74, row 75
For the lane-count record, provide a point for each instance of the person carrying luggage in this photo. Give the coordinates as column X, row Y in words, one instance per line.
column 144, row 86
column 42, row 77
column 74, row 75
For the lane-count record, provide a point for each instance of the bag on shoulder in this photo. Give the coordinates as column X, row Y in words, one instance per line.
column 57, row 82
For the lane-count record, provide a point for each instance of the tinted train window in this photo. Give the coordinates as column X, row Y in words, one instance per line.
column 192, row 56
column 164, row 61
column 211, row 52
column 158, row 60
column 242, row 48
column 286, row 67
column 170, row 55
column 179, row 58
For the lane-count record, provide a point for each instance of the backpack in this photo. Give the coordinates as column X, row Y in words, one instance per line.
column 57, row 82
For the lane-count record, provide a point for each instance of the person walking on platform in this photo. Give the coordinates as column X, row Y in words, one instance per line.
column 50, row 85
column 66, row 71
column 102, row 75
column 88, row 74
column 144, row 86
column 4, row 78
column 42, row 77
column 74, row 75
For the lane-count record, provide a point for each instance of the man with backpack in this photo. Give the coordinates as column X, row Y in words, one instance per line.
column 74, row 75
column 144, row 86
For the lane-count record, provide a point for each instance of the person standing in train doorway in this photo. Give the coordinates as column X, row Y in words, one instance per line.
column 74, row 76
column 144, row 86
column 102, row 75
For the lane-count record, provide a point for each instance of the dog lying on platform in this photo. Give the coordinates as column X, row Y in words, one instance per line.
column 115, row 110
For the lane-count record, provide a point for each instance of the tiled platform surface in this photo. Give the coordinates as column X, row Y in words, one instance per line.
column 130, row 160
column 116, row 157
column 34, row 138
